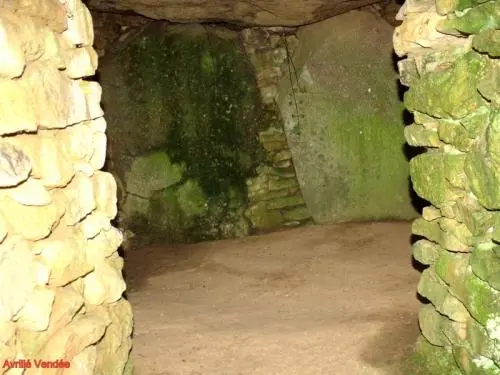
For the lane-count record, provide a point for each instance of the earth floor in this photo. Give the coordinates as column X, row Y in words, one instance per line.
column 332, row 300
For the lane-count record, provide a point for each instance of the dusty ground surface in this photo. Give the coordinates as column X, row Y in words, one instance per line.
column 332, row 300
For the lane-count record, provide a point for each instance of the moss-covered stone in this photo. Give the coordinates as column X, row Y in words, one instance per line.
column 433, row 360
column 427, row 175
column 426, row 252
column 344, row 121
column 264, row 219
column 488, row 42
column 474, row 364
column 418, row 135
column 152, row 172
column 455, row 134
column 428, row 229
column 486, row 265
column 430, row 324
column 482, row 17
column 454, row 165
column 480, row 299
column 182, row 100
column 484, row 178
column 476, row 122
column 448, row 93
column 299, row 213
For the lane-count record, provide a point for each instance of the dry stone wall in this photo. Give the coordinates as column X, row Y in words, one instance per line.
column 452, row 69
column 61, row 281
column 275, row 198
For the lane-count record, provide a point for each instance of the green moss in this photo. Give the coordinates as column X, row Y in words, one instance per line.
column 488, row 42
column 346, row 132
column 192, row 199
column 187, row 94
column 429, row 359
column 448, row 93
column 480, row 18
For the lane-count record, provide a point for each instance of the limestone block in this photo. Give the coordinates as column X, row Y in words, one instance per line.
column 81, row 62
column 7, row 343
column 103, row 245
column 51, row 12
column 76, row 142
column 447, row 93
column 35, row 314
column 419, row 31
column 78, row 111
column 80, row 31
column 85, row 169
column 426, row 252
column 105, row 191
column 417, row 135
column 17, row 107
column 116, row 344
column 430, row 325
column 454, row 309
column 93, row 93
column 71, row 340
column 31, row 222
column 93, row 224
column 41, row 272
column 104, row 285
column 79, row 199
column 66, row 259
column 50, row 164
column 51, row 93
column 30, row 193
column 15, row 166
column 457, row 236
column 52, row 54
column 84, row 363
column 486, row 265
column 431, row 213
column 98, row 125
column 476, row 121
column 67, row 304
column 428, row 178
column 98, row 158
column 11, row 50
column 3, row 229
column 428, row 229
column 432, row 287
column 15, row 264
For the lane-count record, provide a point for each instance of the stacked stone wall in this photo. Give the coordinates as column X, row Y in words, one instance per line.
column 275, row 199
column 452, row 70
column 61, row 281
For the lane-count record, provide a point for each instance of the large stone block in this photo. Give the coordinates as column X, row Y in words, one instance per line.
column 351, row 127
column 15, row 264
column 15, row 166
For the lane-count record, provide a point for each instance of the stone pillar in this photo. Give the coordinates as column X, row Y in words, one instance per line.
column 451, row 68
column 61, row 281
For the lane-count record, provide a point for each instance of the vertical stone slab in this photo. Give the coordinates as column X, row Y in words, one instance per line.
column 344, row 121
column 448, row 50
column 61, row 283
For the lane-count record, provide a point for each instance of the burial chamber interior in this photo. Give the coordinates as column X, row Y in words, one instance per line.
column 217, row 131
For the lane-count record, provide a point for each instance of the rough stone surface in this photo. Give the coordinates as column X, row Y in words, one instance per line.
column 351, row 127
column 189, row 175
column 52, row 144
column 448, row 65
column 255, row 13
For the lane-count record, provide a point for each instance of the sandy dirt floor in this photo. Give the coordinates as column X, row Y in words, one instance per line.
column 332, row 300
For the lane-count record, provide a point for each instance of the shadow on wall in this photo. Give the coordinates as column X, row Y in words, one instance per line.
column 409, row 151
